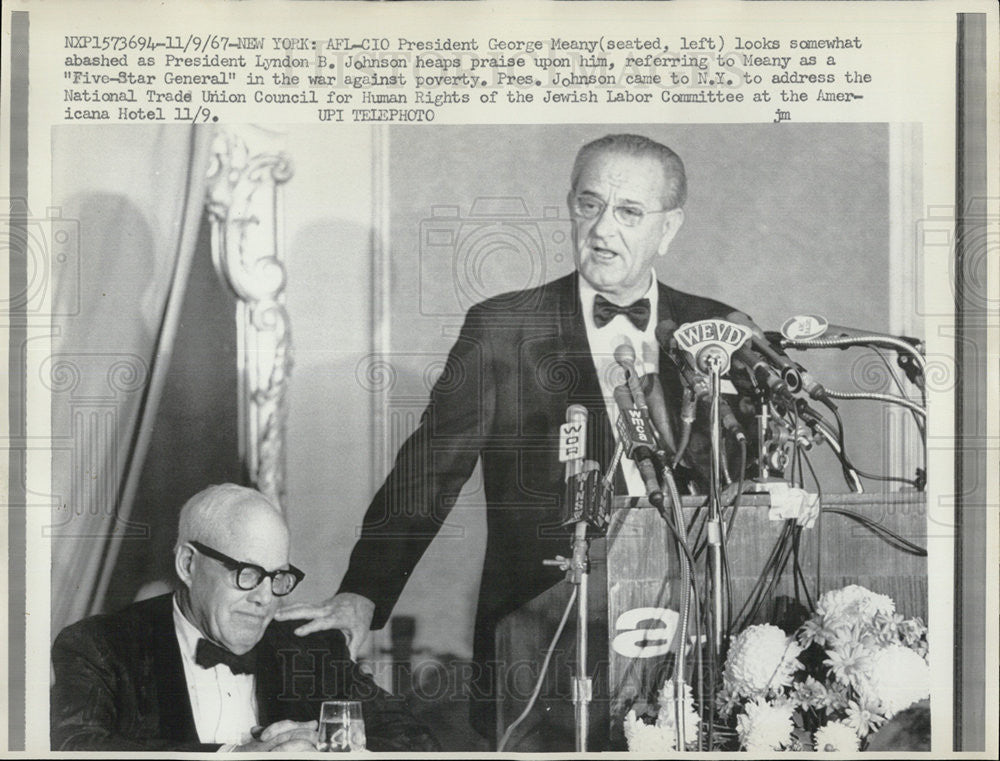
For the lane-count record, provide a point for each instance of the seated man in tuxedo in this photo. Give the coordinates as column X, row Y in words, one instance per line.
column 207, row 668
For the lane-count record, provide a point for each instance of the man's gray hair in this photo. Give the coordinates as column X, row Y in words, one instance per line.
column 209, row 512
column 638, row 145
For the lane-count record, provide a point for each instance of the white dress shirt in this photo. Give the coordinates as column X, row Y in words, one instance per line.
column 603, row 342
column 223, row 704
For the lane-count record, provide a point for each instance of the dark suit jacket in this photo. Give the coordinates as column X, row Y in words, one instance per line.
column 119, row 685
column 520, row 360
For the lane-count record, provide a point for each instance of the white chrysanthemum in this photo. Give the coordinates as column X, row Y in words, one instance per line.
column 836, row 737
column 647, row 738
column 852, row 605
column 764, row 726
column 899, row 677
column 761, row 661
column 667, row 716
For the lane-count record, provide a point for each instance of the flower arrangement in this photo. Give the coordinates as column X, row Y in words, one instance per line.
column 662, row 734
column 848, row 668
column 852, row 665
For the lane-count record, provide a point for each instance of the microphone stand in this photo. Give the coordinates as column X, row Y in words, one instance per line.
column 762, row 426
column 577, row 570
column 715, row 537
column 582, row 684
column 680, row 703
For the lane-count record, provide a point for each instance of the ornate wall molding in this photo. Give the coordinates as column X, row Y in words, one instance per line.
column 244, row 182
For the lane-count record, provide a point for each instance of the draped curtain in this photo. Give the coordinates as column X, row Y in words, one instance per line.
column 129, row 201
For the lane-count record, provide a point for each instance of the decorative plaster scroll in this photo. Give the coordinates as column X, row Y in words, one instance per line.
column 245, row 176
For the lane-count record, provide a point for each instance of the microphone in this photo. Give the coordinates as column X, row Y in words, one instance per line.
column 636, row 434
column 807, row 413
column 657, row 405
column 695, row 384
column 573, row 439
column 692, row 378
column 625, row 357
column 695, row 381
column 581, row 495
column 789, row 372
column 764, row 374
column 815, row 326
column 729, row 421
column 582, row 476
column 808, row 327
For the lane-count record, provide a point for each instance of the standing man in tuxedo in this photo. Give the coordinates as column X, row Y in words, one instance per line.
column 520, row 360
column 206, row 669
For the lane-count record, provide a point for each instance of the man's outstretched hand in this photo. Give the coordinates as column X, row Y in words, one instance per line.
column 346, row 611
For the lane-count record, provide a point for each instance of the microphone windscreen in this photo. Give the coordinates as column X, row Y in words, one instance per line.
column 625, row 354
column 576, row 413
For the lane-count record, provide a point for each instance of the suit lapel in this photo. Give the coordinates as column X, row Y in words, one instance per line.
column 670, row 379
column 587, row 391
column 665, row 304
column 267, row 681
column 573, row 334
column 176, row 719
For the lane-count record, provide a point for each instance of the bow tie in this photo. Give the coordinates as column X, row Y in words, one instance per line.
column 208, row 655
column 637, row 312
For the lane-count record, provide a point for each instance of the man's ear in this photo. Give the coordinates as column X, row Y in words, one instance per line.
column 183, row 560
column 672, row 221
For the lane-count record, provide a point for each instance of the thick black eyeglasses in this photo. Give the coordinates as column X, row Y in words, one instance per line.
column 249, row 576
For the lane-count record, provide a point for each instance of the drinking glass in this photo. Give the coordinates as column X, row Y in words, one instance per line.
column 341, row 726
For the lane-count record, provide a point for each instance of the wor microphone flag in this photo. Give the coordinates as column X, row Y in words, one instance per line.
column 572, row 439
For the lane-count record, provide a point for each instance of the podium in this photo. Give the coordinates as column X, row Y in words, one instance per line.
column 634, row 601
